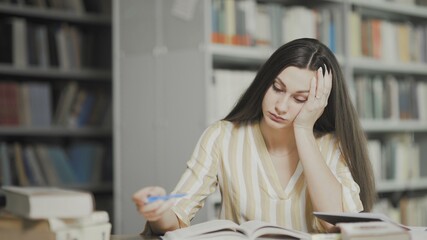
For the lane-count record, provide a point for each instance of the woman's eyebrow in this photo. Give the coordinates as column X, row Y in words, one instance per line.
column 284, row 85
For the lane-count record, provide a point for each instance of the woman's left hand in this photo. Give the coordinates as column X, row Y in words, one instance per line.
column 313, row 108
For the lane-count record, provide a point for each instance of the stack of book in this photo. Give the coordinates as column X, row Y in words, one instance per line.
column 51, row 214
column 371, row 226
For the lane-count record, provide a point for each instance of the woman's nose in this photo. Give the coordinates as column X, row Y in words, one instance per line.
column 282, row 104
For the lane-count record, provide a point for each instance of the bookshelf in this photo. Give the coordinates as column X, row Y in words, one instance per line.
column 182, row 91
column 40, row 82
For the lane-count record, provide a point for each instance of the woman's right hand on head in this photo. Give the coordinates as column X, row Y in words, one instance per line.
column 151, row 211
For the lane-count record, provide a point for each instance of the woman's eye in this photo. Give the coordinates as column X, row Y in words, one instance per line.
column 300, row 100
column 276, row 88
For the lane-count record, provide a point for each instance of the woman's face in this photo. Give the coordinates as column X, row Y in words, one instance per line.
column 286, row 96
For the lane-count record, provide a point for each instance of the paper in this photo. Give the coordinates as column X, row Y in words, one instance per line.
column 184, row 9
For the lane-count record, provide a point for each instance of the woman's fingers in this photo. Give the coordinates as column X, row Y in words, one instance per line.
column 312, row 93
column 328, row 83
column 148, row 210
column 320, row 83
column 154, row 211
column 141, row 196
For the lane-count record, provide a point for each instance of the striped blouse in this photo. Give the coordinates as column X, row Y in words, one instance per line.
column 236, row 159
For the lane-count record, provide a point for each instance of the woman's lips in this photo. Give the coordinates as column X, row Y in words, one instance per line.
column 276, row 118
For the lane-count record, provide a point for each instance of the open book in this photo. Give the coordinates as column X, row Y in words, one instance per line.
column 226, row 229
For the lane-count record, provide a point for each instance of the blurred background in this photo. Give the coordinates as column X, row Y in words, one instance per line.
column 112, row 96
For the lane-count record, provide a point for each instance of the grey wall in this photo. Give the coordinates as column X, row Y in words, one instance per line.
column 159, row 99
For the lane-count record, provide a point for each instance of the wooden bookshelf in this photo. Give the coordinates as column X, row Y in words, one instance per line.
column 54, row 15
column 55, row 73
column 55, row 131
column 394, row 186
column 394, row 126
column 370, row 65
column 86, row 46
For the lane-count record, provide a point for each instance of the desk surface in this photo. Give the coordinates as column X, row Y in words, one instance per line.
column 415, row 235
column 132, row 237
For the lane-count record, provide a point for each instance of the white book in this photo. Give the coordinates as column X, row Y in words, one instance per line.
column 402, row 162
column 263, row 26
column 95, row 232
column 378, row 97
column 422, row 100
column 229, row 86
column 374, row 151
column 298, row 22
column 393, row 88
column 414, row 161
column 373, row 230
column 45, row 202
column 61, row 42
column 94, row 218
column 230, row 20
column 19, row 38
column 355, row 21
column 388, row 43
column 42, row 46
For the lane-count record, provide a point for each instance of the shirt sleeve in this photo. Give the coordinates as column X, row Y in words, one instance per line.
column 200, row 179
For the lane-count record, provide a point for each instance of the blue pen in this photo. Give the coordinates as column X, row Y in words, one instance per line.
column 164, row 198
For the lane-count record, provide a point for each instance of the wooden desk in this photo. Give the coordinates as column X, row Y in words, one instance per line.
column 132, row 237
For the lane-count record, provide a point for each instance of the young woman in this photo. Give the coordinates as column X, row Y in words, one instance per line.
column 292, row 145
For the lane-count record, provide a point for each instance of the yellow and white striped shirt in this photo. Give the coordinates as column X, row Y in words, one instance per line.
column 236, row 158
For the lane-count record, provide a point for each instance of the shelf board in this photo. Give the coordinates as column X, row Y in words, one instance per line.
column 239, row 54
column 95, row 188
column 230, row 54
column 38, row 72
column 410, row 185
column 53, row 14
column 394, row 125
column 395, row 8
column 373, row 65
column 54, row 131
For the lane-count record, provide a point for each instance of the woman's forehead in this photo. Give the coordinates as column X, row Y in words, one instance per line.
column 297, row 77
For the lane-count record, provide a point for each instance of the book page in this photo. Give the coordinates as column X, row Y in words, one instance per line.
column 256, row 229
column 210, row 228
column 221, row 234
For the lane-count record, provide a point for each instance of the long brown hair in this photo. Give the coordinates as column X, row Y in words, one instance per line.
column 339, row 116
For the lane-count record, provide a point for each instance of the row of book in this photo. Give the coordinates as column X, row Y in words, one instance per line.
column 80, row 106
column 51, row 213
column 398, row 158
column 377, row 96
column 391, row 97
column 31, row 104
column 76, row 6
column 410, row 210
column 64, row 46
column 271, row 24
column 80, row 164
column 386, row 40
column 27, row 104
column 225, row 90
column 407, row 2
